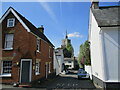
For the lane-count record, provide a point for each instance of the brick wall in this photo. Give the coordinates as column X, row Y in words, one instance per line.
column 24, row 45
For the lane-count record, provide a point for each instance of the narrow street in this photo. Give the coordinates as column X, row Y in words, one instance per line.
column 68, row 81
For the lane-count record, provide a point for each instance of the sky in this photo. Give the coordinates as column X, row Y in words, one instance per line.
column 57, row 18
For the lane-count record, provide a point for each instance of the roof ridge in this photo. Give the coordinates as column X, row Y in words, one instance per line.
column 104, row 7
column 32, row 28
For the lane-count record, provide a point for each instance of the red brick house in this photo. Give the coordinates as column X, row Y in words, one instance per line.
column 27, row 54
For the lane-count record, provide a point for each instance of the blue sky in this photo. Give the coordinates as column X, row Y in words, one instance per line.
column 56, row 18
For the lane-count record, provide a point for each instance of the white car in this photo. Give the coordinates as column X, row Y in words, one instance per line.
column 83, row 74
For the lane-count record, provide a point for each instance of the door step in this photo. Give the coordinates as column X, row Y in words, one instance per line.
column 25, row 86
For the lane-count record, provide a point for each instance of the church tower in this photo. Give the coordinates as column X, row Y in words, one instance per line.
column 65, row 41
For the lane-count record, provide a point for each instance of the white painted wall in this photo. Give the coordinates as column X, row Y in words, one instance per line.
column 111, row 47
column 104, row 51
column 96, row 47
column 67, row 63
column 56, row 65
column 58, row 62
column 88, row 70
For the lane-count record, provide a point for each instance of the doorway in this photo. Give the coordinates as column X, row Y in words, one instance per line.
column 26, row 71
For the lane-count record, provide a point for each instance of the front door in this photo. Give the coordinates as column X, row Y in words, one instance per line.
column 25, row 71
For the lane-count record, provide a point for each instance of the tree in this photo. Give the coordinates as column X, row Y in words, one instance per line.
column 68, row 51
column 81, row 56
column 80, row 53
column 65, row 52
column 87, row 53
column 84, row 55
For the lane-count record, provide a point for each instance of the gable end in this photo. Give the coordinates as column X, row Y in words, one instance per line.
column 14, row 13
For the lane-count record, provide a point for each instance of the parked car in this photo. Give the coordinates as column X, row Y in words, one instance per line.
column 82, row 74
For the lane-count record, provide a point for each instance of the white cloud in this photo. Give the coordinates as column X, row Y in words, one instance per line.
column 75, row 34
column 48, row 10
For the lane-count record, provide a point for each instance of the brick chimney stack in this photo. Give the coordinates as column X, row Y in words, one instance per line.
column 95, row 4
column 41, row 29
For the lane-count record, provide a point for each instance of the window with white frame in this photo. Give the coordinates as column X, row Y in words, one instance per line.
column 11, row 22
column 9, row 41
column 49, row 66
column 38, row 45
column 49, row 52
column 6, row 67
column 69, row 61
column 37, row 68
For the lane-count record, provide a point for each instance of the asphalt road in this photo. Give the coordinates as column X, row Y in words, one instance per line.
column 68, row 81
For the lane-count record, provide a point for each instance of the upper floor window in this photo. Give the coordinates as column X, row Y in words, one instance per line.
column 11, row 22
column 9, row 41
column 50, row 53
column 38, row 45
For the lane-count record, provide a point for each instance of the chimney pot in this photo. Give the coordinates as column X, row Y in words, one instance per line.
column 41, row 29
column 95, row 4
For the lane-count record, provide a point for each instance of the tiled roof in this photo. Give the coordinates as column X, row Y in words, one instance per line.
column 107, row 16
column 32, row 28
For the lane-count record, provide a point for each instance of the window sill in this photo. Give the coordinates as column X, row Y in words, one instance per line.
column 37, row 74
column 5, row 75
column 8, row 49
column 38, row 51
column 10, row 26
column 50, row 57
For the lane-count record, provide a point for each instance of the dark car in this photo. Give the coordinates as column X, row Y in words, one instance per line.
column 82, row 74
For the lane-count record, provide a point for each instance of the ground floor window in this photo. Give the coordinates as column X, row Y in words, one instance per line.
column 37, row 68
column 49, row 66
column 7, row 67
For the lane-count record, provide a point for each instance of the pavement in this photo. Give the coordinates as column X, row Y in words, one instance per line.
column 62, row 82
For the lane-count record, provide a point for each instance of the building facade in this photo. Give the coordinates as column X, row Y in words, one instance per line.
column 27, row 54
column 104, row 34
column 71, row 63
column 58, row 61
